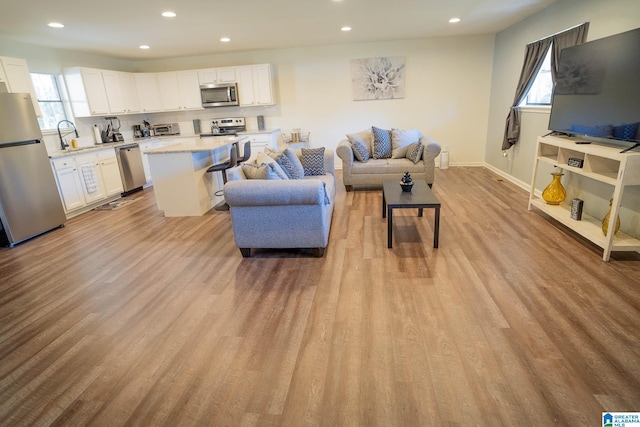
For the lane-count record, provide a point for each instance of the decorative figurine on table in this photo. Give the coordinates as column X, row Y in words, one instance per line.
column 406, row 182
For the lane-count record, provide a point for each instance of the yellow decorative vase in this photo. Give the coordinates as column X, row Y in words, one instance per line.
column 605, row 221
column 555, row 193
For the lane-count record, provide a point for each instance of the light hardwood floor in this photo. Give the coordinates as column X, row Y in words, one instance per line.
column 129, row 318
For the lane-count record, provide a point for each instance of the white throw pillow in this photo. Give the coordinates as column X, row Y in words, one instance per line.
column 401, row 140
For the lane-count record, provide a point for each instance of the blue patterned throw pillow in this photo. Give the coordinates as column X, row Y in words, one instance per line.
column 313, row 161
column 381, row 143
column 627, row 132
column 360, row 151
column 414, row 152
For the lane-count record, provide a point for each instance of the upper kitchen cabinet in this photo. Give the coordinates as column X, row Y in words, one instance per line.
column 14, row 73
column 86, row 91
column 217, row 75
column 255, row 85
column 121, row 92
column 148, row 92
column 180, row 90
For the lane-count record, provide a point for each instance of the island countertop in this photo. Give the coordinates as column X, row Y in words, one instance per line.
column 195, row 144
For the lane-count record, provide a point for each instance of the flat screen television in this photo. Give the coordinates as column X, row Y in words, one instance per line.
column 597, row 91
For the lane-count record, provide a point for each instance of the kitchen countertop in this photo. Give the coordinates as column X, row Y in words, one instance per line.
column 254, row 132
column 88, row 149
column 192, row 145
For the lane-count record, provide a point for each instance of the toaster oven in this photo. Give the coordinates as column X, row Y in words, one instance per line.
column 166, row 129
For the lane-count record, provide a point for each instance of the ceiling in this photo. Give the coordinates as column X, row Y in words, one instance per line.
column 117, row 28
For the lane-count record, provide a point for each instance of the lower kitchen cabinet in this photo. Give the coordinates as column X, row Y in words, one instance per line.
column 110, row 172
column 261, row 140
column 69, row 184
column 87, row 180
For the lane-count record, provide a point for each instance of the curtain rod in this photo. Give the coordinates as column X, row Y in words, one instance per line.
column 559, row 32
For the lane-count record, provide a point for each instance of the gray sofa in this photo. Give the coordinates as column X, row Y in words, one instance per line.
column 292, row 213
column 375, row 171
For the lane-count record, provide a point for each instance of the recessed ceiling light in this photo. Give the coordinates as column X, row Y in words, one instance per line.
column 345, row 29
column 454, row 20
column 144, row 46
column 169, row 14
column 225, row 40
column 55, row 25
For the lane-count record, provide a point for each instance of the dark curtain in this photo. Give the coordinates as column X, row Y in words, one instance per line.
column 572, row 37
column 533, row 58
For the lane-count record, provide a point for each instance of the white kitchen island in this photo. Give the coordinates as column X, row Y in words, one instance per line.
column 181, row 183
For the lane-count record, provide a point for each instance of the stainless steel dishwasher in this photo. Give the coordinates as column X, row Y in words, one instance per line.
column 131, row 169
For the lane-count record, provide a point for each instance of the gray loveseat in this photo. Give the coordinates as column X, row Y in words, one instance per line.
column 289, row 213
column 375, row 171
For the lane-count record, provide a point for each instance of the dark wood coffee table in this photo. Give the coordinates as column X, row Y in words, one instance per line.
column 419, row 197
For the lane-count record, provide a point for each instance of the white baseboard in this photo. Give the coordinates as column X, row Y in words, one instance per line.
column 521, row 184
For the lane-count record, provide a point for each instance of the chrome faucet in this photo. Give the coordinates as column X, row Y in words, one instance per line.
column 63, row 144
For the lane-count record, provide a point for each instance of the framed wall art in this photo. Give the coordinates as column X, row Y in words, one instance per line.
column 378, row 78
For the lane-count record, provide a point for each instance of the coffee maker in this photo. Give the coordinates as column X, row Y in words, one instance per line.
column 137, row 131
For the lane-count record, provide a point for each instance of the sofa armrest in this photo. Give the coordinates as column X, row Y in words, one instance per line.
column 345, row 152
column 431, row 150
column 259, row 192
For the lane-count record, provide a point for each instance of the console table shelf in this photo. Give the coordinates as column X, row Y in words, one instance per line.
column 601, row 163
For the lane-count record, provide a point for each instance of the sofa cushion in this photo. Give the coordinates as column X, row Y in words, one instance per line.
column 295, row 161
column 235, row 174
column 261, row 171
column 293, row 170
column 360, row 151
column 365, row 137
column 313, row 161
column 401, row 140
column 387, row 166
column 414, row 151
column 263, row 158
column 381, row 143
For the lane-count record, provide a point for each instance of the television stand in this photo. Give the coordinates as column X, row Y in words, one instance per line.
column 602, row 164
column 636, row 145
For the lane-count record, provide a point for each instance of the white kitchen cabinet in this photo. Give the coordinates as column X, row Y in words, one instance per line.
column 261, row 141
column 189, row 89
column 110, row 172
column 14, row 73
column 217, row 75
column 69, row 184
column 179, row 90
column 130, row 95
column 148, row 92
column 121, row 93
column 90, row 176
column 255, row 85
column 144, row 147
column 86, row 92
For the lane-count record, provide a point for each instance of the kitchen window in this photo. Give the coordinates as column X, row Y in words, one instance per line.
column 49, row 94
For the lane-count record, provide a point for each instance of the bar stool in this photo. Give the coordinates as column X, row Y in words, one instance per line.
column 246, row 152
column 222, row 167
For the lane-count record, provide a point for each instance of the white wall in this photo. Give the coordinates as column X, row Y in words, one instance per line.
column 606, row 18
column 448, row 83
column 447, row 87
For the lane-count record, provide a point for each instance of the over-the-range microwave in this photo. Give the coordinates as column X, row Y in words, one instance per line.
column 219, row 94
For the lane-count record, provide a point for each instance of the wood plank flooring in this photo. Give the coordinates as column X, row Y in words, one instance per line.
column 129, row 318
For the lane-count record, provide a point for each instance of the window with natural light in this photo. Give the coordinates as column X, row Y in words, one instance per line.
column 49, row 99
column 540, row 92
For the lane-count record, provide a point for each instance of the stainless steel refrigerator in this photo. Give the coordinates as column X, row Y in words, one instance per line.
column 29, row 200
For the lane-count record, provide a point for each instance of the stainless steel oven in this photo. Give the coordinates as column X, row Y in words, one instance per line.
column 219, row 94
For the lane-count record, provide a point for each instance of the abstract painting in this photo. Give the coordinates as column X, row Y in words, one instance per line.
column 378, row 78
